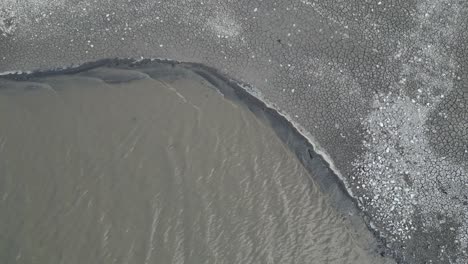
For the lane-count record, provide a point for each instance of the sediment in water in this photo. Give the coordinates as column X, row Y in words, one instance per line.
column 318, row 165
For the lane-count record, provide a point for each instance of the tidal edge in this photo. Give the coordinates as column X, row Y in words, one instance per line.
column 319, row 167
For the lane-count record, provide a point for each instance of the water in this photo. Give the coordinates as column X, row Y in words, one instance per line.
column 161, row 170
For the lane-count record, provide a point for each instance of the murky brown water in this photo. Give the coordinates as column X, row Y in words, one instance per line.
column 155, row 171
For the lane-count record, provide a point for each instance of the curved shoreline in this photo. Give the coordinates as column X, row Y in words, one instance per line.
column 316, row 162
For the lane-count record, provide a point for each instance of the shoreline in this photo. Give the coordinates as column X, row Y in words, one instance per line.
column 319, row 166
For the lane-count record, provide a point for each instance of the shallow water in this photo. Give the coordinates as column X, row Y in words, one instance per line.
column 160, row 170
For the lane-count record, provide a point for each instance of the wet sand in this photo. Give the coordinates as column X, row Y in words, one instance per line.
column 156, row 166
